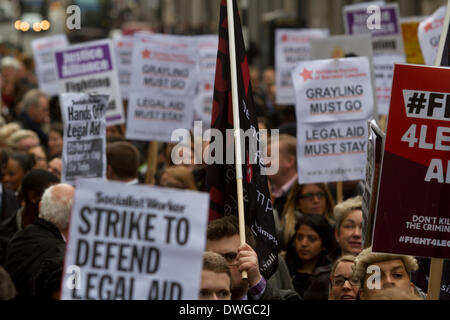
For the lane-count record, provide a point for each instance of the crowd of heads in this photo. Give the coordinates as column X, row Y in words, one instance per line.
column 320, row 242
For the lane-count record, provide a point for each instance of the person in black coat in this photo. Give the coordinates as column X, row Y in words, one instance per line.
column 8, row 203
column 33, row 186
column 41, row 241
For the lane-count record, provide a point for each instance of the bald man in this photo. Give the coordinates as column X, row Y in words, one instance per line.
column 41, row 242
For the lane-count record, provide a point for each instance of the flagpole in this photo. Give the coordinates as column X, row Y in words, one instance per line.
column 236, row 122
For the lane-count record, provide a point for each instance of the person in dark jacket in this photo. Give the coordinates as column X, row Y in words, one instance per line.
column 40, row 241
column 33, row 186
column 223, row 238
column 8, row 203
column 307, row 256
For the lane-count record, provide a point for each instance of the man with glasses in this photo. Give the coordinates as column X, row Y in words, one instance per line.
column 223, row 238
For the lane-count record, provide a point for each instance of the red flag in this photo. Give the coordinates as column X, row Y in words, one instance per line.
column 221, row 178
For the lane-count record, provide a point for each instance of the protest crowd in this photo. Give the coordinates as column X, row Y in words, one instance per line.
column 318, row 226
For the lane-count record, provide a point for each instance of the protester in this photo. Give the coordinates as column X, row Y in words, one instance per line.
column 34, row 113
column 286, row 176
column 123, row 161
column 394, row 271
column 55, row 140
column 6, row 131
column 179, row 177
column 33, row 186
column 223, row 238
column 304, row 198
column 216, row 278
column 342, row 284
column 8, row 204
column 55, row 167
column 41, row 241
column 348, row 232
column 307, row 259
column 9, row 89
column 22, row 141
column 18, row 166
column 39, row 157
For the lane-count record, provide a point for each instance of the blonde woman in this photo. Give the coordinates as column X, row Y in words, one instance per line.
column 305, row 198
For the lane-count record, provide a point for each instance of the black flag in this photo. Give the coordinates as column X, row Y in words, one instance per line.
column 221, row 178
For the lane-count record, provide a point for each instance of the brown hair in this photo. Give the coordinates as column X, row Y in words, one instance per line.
column 214, row 262
column 124, row 158
column 182, row 174
column 227, row 227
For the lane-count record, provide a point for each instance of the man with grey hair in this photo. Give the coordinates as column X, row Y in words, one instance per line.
column 34, row 113
column 40, row 242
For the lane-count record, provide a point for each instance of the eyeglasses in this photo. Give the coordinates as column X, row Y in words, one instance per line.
column 339, row 281
column 310, row 196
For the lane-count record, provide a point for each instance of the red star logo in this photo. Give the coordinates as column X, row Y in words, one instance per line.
column 208, row 86
column 146, row 54
column 306, row 74
column 428, row 26
column 284, row 38
column 120, row 44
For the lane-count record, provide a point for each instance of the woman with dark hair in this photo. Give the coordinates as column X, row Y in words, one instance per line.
column 18, row 166
column 306, row 256
column 55, row 140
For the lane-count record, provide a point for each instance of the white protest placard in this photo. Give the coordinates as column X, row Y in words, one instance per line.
column 384, row 72
column 330, row 152
column 429, row 34
column 381, row 21
column 163, row 95
column 291, row 47
column 135, row 243
column 91, row 67
column 333, row 90
column 84, row 140
column 207, row 48
column 44, row 57
column 123, row 46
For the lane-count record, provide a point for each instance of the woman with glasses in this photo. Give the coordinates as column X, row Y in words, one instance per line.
column 306, row 256
column 305, row 198
column 343, row 286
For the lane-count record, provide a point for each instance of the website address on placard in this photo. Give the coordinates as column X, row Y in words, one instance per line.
column 424, row 241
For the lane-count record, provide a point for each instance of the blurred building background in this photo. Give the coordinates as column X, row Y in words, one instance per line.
column 259, row 17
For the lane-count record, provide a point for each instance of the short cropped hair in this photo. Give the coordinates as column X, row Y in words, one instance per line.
column 287, row 143
column 228, row 227
column 124, row 159
column 56, row 210
column 343, row 209
column 367, row 258
column 214, row 262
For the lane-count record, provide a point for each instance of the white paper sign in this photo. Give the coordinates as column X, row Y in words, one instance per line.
column 384, row 72
column 163, row 95
column 91, row 68
column 291, row 47
column 135, row 243
column 333, row 90
column 44, row 57
column 123, row 46
column 84, row 141
column 429, row 34
column 329, row 152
